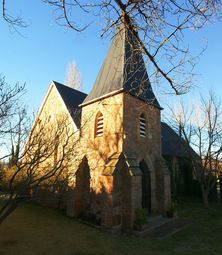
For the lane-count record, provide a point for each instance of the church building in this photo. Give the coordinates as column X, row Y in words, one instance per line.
column 120, row 168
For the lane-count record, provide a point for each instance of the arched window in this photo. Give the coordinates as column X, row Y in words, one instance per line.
column 99, row 124
column 142, row 125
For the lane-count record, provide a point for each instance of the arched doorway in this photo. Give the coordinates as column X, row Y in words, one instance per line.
column 146, row 186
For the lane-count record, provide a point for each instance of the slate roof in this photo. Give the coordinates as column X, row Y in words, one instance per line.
column 72, row 99
column 123, row 69
column 173, row 144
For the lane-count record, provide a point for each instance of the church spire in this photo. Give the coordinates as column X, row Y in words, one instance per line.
column 123, row 69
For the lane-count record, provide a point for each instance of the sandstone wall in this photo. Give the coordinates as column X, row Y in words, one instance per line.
column 145, row 148
column 99, row 149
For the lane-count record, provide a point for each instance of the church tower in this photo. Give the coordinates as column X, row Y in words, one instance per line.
column 121, row 138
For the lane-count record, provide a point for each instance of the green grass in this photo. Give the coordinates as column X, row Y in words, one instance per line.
column 35, row 230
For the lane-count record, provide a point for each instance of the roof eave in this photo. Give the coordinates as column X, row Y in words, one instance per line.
column 101, row 97
column 144, row 100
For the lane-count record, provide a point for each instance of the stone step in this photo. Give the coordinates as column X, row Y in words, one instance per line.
column 160, row 227
column 153, row 223
column 169, row 228
column 156, row 221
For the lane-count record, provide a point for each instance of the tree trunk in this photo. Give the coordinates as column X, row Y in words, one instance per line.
column 8, row 210
column 205, row 195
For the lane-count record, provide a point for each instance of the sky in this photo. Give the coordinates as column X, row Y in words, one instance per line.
column 43, row 50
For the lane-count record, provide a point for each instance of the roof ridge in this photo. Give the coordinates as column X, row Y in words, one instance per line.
column 66, row 86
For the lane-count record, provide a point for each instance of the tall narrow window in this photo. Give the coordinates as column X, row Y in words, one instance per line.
column 99, row 125
column 142, row 126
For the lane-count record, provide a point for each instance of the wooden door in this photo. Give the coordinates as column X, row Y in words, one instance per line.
column 146, row 186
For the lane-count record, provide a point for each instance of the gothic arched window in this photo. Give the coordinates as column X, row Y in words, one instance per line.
column 142, row 125
column 99, row 124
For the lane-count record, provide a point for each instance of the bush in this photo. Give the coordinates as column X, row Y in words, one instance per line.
column 140, row 217
column 171, row 209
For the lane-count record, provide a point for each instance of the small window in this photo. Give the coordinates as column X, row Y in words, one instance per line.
column 142, row 126
column 99, row 125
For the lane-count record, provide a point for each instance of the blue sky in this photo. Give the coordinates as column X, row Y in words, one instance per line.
column 45, row 49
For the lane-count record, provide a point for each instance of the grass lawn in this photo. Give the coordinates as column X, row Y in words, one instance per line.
column 35, row 230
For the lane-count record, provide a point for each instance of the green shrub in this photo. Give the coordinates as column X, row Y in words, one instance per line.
column 140, row 217
column 170, row 209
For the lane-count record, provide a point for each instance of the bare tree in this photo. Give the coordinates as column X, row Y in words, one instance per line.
column 42, row 162
column 9, row 96
column 158, row 28
column 201, row 128
column 73, row 76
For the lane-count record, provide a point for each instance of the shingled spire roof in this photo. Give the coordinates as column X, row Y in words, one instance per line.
column 123, row 69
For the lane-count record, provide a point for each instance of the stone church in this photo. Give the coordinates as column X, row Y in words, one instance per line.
column 121, row 168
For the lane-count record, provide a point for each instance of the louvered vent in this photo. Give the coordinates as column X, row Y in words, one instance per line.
column 142, row 126
column 99, row 125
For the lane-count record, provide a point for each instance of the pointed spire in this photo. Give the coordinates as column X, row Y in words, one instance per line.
column 123, row 69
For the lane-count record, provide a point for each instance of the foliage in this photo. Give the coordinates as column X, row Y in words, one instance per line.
column 39, row 157
column 9, row 98
column 201, row 128
column 43, row 160
column 73, row 76
column 1, row 175
column 170, row 209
